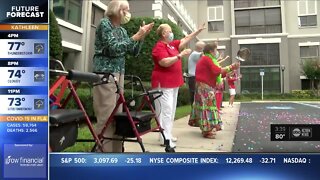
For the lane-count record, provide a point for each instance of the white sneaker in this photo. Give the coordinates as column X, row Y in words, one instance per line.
column 173, row 145
column 221, row 127
column 174, row 139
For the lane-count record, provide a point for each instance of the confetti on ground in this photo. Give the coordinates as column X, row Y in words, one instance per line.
column 253, row 129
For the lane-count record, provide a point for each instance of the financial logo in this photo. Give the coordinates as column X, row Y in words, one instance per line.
column 25, row 161
column 29, row 160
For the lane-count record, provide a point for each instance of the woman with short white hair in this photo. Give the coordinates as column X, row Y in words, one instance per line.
column 112, row 44
column 167, row 75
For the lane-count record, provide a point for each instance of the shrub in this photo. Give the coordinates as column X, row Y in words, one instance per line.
column 303, row 93
column 311, row 69
column 55, row 38
column 86, row 97
column 142, row 65
column 183, row 96
column 85, row 94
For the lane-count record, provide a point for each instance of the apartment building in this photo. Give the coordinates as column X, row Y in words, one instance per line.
column 280, row 33
column 78, row 20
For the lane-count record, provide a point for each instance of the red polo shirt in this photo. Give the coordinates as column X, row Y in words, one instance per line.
column 231, row 81
column 207, row 72
column 166, row 77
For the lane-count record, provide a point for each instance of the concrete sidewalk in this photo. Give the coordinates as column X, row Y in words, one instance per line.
column 190, row 138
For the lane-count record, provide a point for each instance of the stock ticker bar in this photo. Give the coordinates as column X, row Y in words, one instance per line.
column 185, row 166
column 295, row 132
column 24, row 89
column 106, row 160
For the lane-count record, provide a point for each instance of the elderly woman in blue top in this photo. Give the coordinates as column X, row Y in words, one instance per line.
column 111, row 46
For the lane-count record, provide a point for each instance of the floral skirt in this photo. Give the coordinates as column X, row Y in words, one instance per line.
column 204, row 110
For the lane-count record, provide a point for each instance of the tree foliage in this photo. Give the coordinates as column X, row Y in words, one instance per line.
column 143, row 64
column 55, row 38
column 311, row 69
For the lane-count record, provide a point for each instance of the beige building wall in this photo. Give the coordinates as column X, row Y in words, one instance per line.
column 291, row 20
column 78, row 40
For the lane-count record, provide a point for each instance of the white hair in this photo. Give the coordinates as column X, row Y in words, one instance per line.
column 114, row 6
column 200, row 45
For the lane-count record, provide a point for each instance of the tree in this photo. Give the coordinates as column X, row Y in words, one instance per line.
column 55, row 38
column 142, row 65
column 311, row 69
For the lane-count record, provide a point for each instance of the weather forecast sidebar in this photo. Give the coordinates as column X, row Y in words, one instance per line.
column 24, row 89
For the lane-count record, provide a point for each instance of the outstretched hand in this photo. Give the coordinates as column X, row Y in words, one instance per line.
column 202, row 27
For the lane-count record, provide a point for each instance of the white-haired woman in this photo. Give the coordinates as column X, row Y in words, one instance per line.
column 167, row 75
column 111, row 46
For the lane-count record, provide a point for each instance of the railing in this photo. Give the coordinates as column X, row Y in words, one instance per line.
column 182, row 10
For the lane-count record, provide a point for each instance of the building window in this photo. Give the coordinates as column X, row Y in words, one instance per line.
column 96, row 15
column 307, row 12
column 262, row 57
column 215, row 19
column 309, row 51
column 255, row 3
column 251, row 80
column 307, row 85
column 258, row 21
column 68, row 10
column 215, row 2
column 262, row 54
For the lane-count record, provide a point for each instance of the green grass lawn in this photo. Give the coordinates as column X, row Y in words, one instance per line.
column 84, row 132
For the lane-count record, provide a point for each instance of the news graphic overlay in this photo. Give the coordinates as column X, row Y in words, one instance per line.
column 184, row 166
column 24, row 89
column 295, row 132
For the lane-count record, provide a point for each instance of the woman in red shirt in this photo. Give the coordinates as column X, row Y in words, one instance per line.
column 204, row 112
column 167, row 75
column 231, row 78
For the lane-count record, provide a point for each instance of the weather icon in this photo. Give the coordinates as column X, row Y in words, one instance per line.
column 38, row 103
column 38, row 48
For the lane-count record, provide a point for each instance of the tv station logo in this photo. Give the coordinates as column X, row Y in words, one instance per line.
column 302, row 132
column 295, row 132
